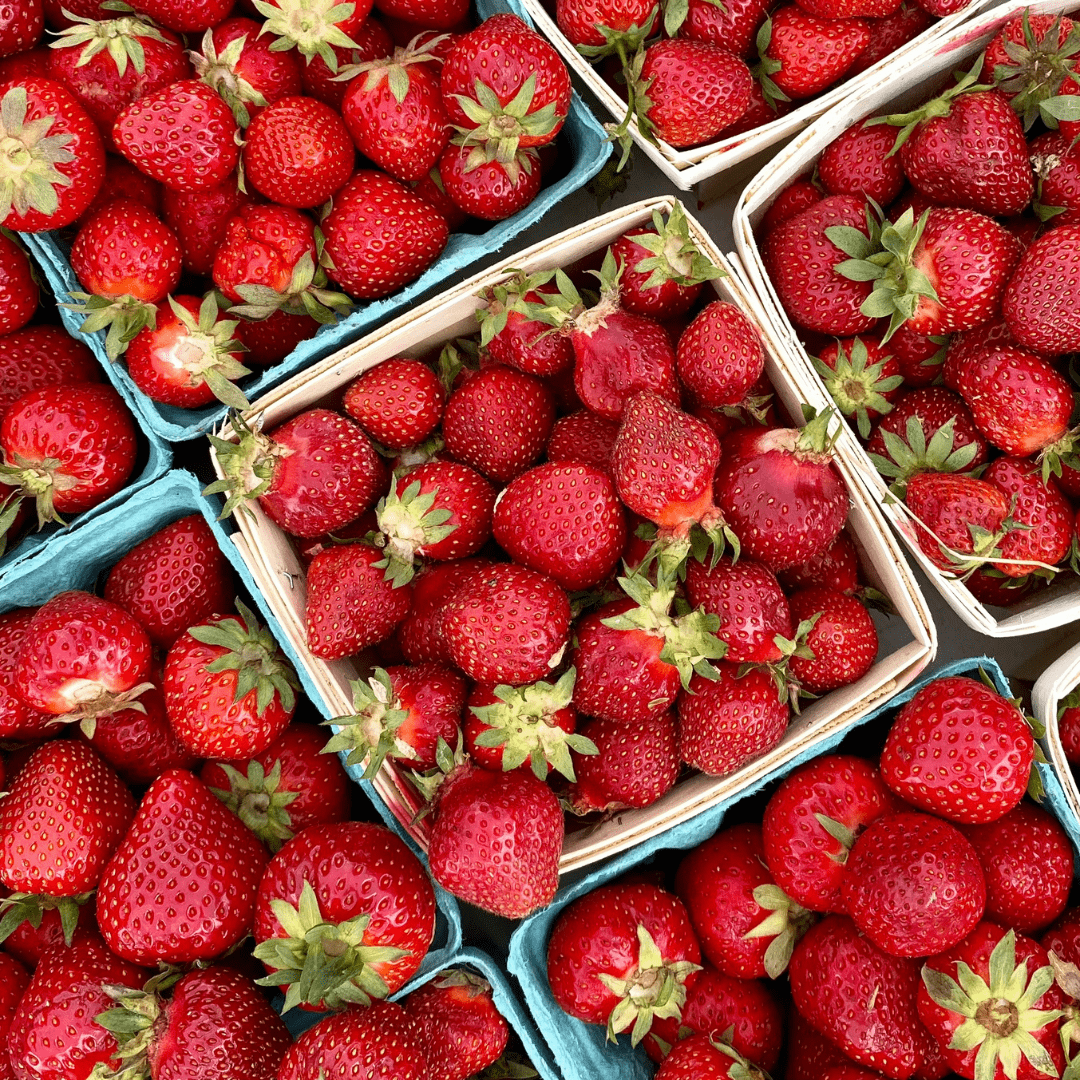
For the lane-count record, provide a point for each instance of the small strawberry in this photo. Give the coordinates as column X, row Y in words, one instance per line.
column 843, row 642
column 228, row 688
column 836, row 567
column 581, row 20
column 1030, row 58
column 720, row 355
column 583, row 436
column 21, row 27
column 920, row 356
column 399, row 402
column 862, row 377
column 38, row 356
column 489, row 190
column 858, row 162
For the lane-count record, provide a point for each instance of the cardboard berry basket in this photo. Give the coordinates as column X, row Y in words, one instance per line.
column 280, row 575
column 1055, row 684
column 583, row 150
column 910, row 83
column 581, row 1049
column 80, row 560
column 701, row 167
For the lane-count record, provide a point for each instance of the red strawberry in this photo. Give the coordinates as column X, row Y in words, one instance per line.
column 924, row 763
column 420, row 633
column 292, row 784
column 173, row 579
column 803, row 54
column 182, row 136
column 920, row 356
column 14, row 979
column 862, row 376
column 699, row 1055
column 398, row 403
column 185, row 18
column 799, row 195
column 56, row 176
column 810, row 1055
column 889, row 32
column 843, row 641
column 350, row 604
column 836, row 567
column 622, row 955
column 496, row 839
column 1030, row 59
column 18, row 288
column 189, row 867
column 124, row 181
column 734, row 26
column 583, row 436
column 40, row 356
column 17, row 719
column 489, row 190
column 580, row 20
column 373, row 41
column 21, row 27
column 514, row 339
column 720, row 355
column 1033, row 308
column 459, row 1024
column 352, row 886
column 228, row 688
column 315, row 473
column 1057, row 172
column 1062, row 937
column 380, row 235
column 199, row 220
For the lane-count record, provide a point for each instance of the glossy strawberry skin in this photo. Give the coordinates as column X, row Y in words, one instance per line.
column 490, row 191
column 261, row 246
column 889, row 32
column 420, row 634
column 373, row 42
column 200, row 218
column 579, row 19
column 720, row 356
column 41, row 355
column 933, row 407
column 18, row 289
column 398, row 403
column 583, row 436
column 1033, row 307
column 844, row 640
column 734, row 26
column 814, row 53
column 17, row 719
column 182, row 843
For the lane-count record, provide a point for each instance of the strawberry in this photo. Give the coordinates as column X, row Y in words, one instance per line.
column 637, row 762
column 514, row 339
column 811, row 1056
column 352, row 890
column 243, row 68
column 585, row 437
column 124, row 181
column 923, row 763
column 1030, row 58
column 621, row 956
column 379, row 1036
column 498, row 422
column 290, row 785
column 17, row 719
column 781, row 493
column 298, row 152
column 435, row 14
column 14, row 979
column 402, row 712
column 172, row 580
column 228, row 688
column 699, row 1055
column 532, row 516
column 372, row 216
column 315, row 473
column 843, row 641
column 581, row 20
column 489, row 190
column 350, row 603
column 835, row 972
column 1028, row 861
column 82, row 656
column 39, row 356
column 803, row 54
column 373, row 41
column 57, row 160
column 1062, row 938
column 398, row 403
column 720, row 355
column 1033, row 308
column 811, row 822
column 836, row 567
column 889, row 32
column 21, row 27
column 189, row 867
column 1007, row 1003
column 1057, row 185
column 313, row 27
column 920, row 356
column 199, row 219
column 734, row 26
column 182, row 135
column 274, row 338
column 185, row 18
column 799, row 195
column 18, row 287
column 420, row 634
column 861, row 376
column 496, row 838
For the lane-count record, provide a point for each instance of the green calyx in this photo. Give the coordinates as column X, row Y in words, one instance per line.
column 408, row 522
column 656, row 989
column 818, row 435
column 207, row 351
column 256, row 800
column 787, row 686
column 306, row 293
column 29, row 157
column 501, row 127
column 999, row 1015
column 676, row 11
column 118, row 37
column 310, row 26
column 250, row 650
column 856, row 386
column 485, row 152
column 913, row 454
column 766, row 67
column 510, row 1066
column 885, row 257
column 370, row 734
column 323, row 963
column 1036, row 68
column 501, row 300
column 674, row 256
column 219, row 72
column 20, row 907
column 247, row 463
column 461, row 354
column 123, row 316
column 133, row 1021
column 1065, row 450
column 35, row 480
column 786, row 922
column 522, row 723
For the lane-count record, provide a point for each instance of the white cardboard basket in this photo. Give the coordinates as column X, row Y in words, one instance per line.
column 922, row 74
column 702, row 165
column 1054, row 684
column 280, row 575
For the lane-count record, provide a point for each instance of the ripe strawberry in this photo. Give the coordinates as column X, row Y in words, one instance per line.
column 373, row 41
column 512, row 337
column 803, row 54
column 1008, row 1002
column 1030, row 58
column 920, row 356
column 622, row 955
column 720, row 355
column 315, row 473
column 889, row 32
column 290, row 785
column 374, row 215
column 699, row 1055
column 39, row 356
column 810, row 1055
column 585, row 437
column 173, row 579
column 489, row 190
column 272, row 339
column 401, row 712
column 1057, row 179
column 298, row 152
column 734, row 26
column 82, row 656
column 182, row 135
column 842, row 640
column 17, row 719
column 1028, row 862
column 21, row 27
column 858, row 996
column 862, row 377
column 124, row 181
column 313, row 29
column 799, row 195
column 398, row 403
column 1033, row 309
column 189, row 867
column 836, row 567
column 496, row 839
column 352, row 890
column 580, row 20
column 1062, row 938
column 228, row 688
column 924, row 764
column 350, row 603
column 14, row 979
column 637, row 762
column 379, row 1036
column 18, row 288
column 56, row 162
column 199, row 219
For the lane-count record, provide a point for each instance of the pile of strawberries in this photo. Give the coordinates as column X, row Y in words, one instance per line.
column 208, row 160
column 919, row 907
column 593, row 599
column 943, row 325
column 695, row 71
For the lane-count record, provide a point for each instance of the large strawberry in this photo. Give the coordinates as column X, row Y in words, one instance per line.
column 803, row 54
column 1035, row 309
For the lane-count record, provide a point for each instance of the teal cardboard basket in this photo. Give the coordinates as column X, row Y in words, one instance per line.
column 77, row 561
column 581, row 1050
column 585, row 149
